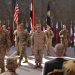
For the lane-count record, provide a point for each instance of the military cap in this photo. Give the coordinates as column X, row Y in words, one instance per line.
column 12, row 63
column 12, row 60
column 21, row 24
column 3, row 25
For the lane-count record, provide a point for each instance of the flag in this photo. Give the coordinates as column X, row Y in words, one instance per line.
column 27, row 27
column 8, row 27
column 48, row 20
column 57, row 33
column 16, row 13
column 32, row 15
column 71, row 36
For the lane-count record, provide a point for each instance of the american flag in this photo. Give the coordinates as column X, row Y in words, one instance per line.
column 16, row 14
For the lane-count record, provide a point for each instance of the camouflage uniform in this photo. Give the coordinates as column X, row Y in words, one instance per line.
column 22, row 40
column 38, row 43
column 4, row 45
column 49, row 36
column 64, row 36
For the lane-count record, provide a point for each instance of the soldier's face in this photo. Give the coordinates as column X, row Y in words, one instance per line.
column 38, row 28
column 21, row 28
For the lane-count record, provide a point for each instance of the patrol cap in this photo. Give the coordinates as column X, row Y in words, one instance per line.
column 12, row 60
column 3, row 26
column 12, row 63
column 21, row 24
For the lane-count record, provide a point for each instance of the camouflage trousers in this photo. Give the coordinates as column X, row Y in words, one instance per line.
column 38, row 56
column 22, row 53
column 2, row 55
column 48, row 47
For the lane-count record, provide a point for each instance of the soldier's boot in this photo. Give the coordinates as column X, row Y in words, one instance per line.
column 20, row 59
column 36, row 66
column 26, row 60
column 40, row 65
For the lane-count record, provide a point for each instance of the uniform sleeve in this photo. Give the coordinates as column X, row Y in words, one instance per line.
column 60, row 33
column 28, row 39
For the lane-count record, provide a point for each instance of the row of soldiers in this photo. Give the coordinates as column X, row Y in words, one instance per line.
column 38, row 40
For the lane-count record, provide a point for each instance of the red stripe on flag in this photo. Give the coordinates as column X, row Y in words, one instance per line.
column 32, row 15
column 16, row 14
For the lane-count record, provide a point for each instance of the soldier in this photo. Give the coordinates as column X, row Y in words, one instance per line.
column 11, row 66
column 38, row 43
column 49, row 36
column 22, row 40
column 69, row 67
column 4, row 28
column 64, row 36
column 4, row 46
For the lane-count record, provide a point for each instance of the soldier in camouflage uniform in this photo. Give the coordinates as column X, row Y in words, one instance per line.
column 64, row 36
column 22, row 40
column 4, row 46
column 4, row 28
column 38, row 43
column 49, row 35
